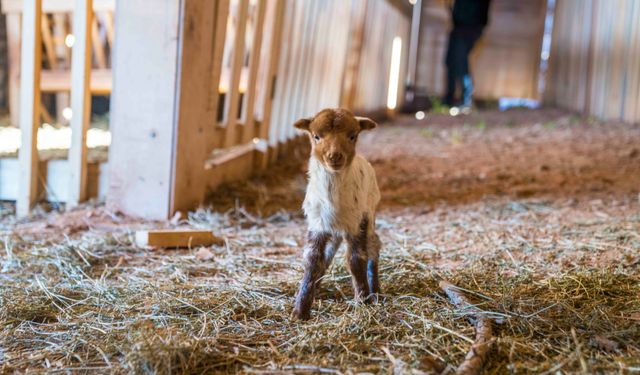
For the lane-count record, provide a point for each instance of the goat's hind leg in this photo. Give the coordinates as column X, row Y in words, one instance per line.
column 314, row 268
column 357, row 261
column 373, row 250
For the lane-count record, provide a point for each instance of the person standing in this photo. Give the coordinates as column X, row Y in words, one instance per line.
column 470, row 17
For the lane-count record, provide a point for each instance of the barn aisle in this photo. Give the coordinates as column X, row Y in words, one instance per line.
column 535, row 212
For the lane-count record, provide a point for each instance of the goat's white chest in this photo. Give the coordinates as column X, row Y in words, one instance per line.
column 336, row 202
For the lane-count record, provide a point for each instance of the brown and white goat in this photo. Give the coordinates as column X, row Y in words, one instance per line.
column 340, row 204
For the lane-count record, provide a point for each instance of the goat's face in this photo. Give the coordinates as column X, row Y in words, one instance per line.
column 333, row 134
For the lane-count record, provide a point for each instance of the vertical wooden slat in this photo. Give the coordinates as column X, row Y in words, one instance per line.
column 80, row 100
column 282, row 85
column 192, row 114
column 270, row 78
column 250, row 95
column 48, row 42
column 13, row 49
column 29, row 105
column 108, row 25
column 222, row 13
column 98, row 48
column 236, row 70
column 292, row 94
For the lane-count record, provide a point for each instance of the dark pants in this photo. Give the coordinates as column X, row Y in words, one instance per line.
column 461, row 42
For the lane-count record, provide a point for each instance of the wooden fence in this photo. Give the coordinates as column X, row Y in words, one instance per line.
column 206, row 92
column 595, row 58
column 203, row 91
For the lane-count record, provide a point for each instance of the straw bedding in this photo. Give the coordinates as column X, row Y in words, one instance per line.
column 94, row 302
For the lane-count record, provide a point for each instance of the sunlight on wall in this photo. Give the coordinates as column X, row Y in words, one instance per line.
column 50, row 138
column 394, row 73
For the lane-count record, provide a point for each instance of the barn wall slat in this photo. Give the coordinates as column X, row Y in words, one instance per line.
column 594, row 59
column 29, row 105
column 80, row 101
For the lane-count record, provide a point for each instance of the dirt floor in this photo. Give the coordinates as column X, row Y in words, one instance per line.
column 536, row 214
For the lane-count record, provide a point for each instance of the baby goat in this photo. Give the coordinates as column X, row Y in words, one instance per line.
column 340, row 203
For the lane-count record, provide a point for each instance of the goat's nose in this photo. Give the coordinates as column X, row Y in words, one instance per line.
column 336, row 157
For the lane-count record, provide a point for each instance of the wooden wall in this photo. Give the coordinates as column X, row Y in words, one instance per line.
column 207, row 92
column 382, row 22
column 507, row 58
column 595, row 58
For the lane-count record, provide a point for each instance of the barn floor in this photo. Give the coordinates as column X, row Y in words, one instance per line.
column 535, row 213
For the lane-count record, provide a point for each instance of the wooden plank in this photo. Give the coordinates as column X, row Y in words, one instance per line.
column 356, row 41
column 270, row 78
column 250, row 95
column 176, row 238
column 98, row 47
column 291, row 95
column 56, row 6
column 60, row 31
column 108, row 25
column 80, row 101
column 282, row 83
column 13, row 49
column 222, row 14
column 189, row 179
column 48, row 42
column 233, row 102
column 142, row 119
column 60, row 80
column 29, row 105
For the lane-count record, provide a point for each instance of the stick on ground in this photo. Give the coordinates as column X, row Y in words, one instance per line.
column 477, row 355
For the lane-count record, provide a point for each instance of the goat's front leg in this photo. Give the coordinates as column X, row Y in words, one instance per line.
column 357, row 259
column 314, row 267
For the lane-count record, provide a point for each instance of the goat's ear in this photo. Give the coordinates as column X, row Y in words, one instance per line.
column 366, row 123
column 303, row 124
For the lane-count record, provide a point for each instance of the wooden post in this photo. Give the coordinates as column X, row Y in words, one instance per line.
column 145, row 75
column 236, row 69
column 13, row 49
column 29, row 105
column 80, row 101
column 270, row 78
column 222, row 13
column 197, row 38
column 248, row 131
column 161, row 106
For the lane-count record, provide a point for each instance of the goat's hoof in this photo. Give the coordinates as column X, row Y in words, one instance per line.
column 373, row 298
column 297, row 314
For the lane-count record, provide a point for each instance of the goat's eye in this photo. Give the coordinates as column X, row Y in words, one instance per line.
column 352, row 137
column 316, row 137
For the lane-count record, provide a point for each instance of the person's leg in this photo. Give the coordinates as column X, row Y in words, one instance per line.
column 450, row 64
column 467, row 80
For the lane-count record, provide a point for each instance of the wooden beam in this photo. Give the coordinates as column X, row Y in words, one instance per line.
column 222, row 13
column 250, row 95
column 48, row 42
column 30, row 105
column 98, row 47
column 60, row 80
column 275, row 31
column 176, row 238
column 80, row 101
column 56, row 6
column 236, row 69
